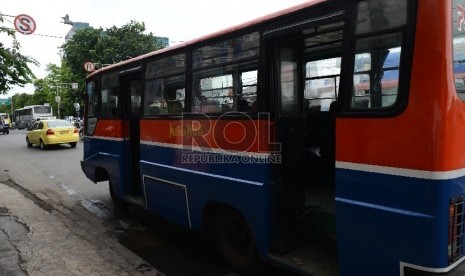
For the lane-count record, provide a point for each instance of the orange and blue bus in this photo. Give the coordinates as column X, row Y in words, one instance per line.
column 325, row 138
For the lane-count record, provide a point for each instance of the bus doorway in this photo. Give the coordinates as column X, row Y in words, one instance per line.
column 306, row 87
column 291, row 126
column 132, row 93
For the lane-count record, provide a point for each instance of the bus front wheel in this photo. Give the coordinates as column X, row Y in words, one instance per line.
column 235, row 241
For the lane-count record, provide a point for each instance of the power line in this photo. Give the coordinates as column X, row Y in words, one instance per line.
column 43, row 35
column 1, row 14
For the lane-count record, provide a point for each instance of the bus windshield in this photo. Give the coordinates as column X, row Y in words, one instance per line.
column 42, row 109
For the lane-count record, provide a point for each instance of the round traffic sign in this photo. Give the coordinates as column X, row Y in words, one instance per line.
column 24, row 24
column 89, row 66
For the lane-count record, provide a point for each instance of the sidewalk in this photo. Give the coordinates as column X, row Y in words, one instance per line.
column 38, row 239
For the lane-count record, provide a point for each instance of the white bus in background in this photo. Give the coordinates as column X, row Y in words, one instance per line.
column 26, row 116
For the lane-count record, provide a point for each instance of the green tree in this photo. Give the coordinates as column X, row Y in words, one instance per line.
column 102, row 47
column 43, row 92
column 123, row 43
column 22, row 100
column 57, row 83
column 14, row 67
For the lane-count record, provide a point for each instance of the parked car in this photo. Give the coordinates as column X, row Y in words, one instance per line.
column 52, row 132
column 4, row 127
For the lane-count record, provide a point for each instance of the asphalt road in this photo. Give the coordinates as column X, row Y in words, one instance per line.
column 54, row 175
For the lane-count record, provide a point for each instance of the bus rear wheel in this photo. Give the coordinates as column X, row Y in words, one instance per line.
column 119, row 204
column 235, row 241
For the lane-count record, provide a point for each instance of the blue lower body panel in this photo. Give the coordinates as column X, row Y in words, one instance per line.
column 383, row 220
column 180, row 191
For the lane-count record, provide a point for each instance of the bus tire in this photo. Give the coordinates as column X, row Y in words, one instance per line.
column 235, row 241
column 119, row 204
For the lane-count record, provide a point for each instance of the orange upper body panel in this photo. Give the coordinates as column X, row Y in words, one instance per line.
column 428, row 134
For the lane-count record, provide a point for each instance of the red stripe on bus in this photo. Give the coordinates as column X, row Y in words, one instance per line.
column 237, row 135
column 111, row 128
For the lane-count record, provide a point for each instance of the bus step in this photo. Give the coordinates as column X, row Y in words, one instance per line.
column 136, row 200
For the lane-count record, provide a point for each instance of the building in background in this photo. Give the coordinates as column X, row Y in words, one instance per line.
column 76, row 26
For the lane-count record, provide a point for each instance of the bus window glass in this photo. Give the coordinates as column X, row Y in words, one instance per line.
column 166, row 66
column 288, row 81
column 42, row 109
column 322, row 82
column 109, row 95
column 164, row 96
column 225, row 89
column 231, row 50
column 458, row 36
column 92, row 98
column 214, row 93
column 248, row 97
column 91, row 124
column 376, row 15
column 135, row 90
column 376, row 72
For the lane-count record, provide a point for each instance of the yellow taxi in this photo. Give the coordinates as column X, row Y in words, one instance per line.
column 52, row 132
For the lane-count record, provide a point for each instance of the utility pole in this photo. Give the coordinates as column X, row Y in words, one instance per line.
column 59, row 85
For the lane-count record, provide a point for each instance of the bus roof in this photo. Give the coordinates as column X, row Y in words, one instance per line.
column 212, row 35
column 31, row 106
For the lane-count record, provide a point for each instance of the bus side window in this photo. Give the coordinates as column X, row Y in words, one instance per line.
column 225, row 75
column 175, row 94
column 247, row 94
column 109, row 95
column 322, row 82
column 165, row 96
column 289, row 96
column 214, row 91
column 92, row 99
column 377, row 58
column 226, row 89
column 376, row 72
column 165, row 86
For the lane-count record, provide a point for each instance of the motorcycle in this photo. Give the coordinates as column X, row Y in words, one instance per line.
column 78, row 124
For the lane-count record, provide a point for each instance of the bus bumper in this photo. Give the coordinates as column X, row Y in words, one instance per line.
column 89, row 172
column 455, row 269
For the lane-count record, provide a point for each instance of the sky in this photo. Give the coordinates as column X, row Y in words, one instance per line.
column 179, row 20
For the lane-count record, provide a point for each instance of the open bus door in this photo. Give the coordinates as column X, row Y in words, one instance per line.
column 304, row 191
column 291, row 125
column 132, row 93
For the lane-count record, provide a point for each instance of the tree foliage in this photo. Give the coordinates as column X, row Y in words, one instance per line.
column 14, row 67
column 101, row 47
column 57, row 83
column 104, row 47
